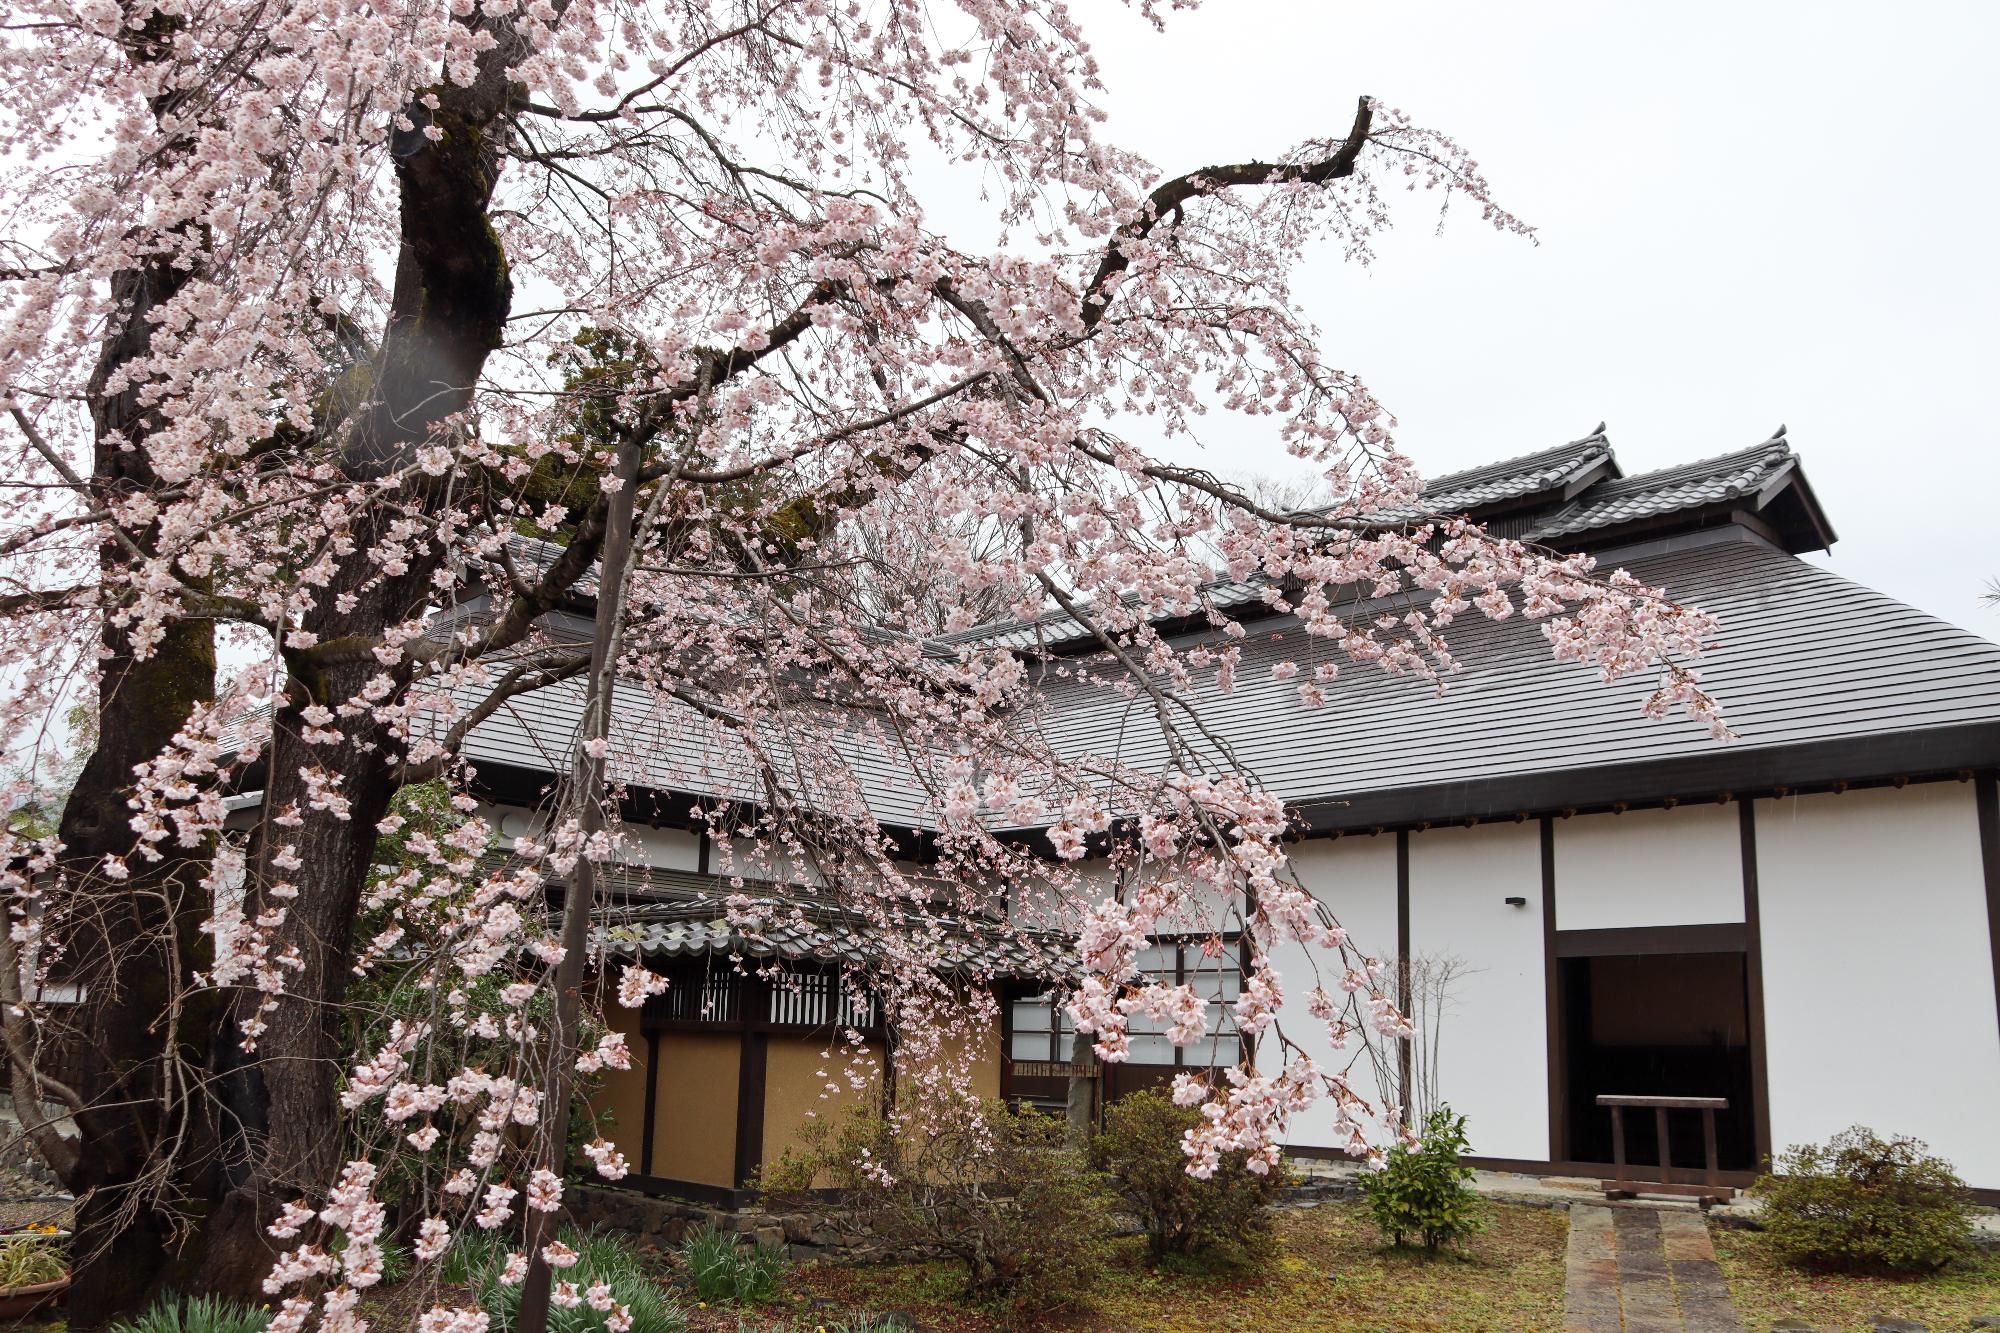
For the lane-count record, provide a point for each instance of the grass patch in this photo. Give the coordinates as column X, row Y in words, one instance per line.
column 1329, row 1271
column 1767, row 1289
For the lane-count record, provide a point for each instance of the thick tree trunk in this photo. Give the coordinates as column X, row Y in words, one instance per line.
column 287, row 1122
column 124, row 935
column 447, row 315
column 119, row 1056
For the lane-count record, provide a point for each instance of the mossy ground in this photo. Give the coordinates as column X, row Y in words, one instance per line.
column 1329, row 1271
column 1768, row 1290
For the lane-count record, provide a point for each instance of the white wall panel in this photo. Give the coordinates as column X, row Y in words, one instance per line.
column 1036, row 906
column 1039, row 906
column 664, row 848
column 1878, row 970
column 1678, row 867
column 661, row 848
column 1492, row 1039
column 1356, row 878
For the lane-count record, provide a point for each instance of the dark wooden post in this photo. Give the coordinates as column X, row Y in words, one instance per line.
column 1713, row 1174
column 1618, row 1142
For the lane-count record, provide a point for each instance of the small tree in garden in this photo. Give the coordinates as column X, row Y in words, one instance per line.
column 999, row 1190
column 1142, row 1150
column 1422, row 1190
column 1860, row 1201
column 309, row 311
column 1409, row 1073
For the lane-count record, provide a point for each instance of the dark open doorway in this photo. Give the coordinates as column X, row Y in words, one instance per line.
column 1658, row 1024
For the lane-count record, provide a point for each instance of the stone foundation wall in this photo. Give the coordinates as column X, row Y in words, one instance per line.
column 18, row 1152
column 664, row 1222
column 1313, row 1191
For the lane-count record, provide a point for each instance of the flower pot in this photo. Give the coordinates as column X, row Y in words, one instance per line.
column 23, row 1301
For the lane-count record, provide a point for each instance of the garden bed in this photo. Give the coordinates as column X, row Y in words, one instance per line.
column 1769, row 1291
column 1330, row 1271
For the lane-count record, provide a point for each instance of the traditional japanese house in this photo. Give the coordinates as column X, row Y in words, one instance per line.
column 1802, row 924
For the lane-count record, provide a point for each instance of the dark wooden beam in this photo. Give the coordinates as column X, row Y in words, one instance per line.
column 1929, row 754
column 1986, row 800
column 752, row 1068
column 1625, row 941
column 1753, row 970
column 1404, row 1058
column 1558, row 1046
column 652, row 1103
column 693, row 1191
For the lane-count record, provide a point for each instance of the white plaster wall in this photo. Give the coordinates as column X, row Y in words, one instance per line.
column 662, row 848
column 1036, row 906
column 512, row 821
column 665, row 848
column 1878, row 971
column 1356, row 878
column 1039, row 906
column 1492, row 1040
column 759, row 861
column 1678, row 867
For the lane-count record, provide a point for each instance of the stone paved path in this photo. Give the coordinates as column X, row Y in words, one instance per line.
column 1635, row 1270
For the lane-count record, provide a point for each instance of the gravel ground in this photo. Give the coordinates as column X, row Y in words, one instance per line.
column 26, row 1202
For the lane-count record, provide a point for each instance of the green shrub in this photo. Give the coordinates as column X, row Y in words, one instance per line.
column 475, row 1258
column 196, row 1314
column 31, row 1259
column 1864, row 1202
column 1140, row 1149
column 472, row 1258
column 720, row 1268
column 996, row 1189
column 395, row 1258
column 1422, row 1191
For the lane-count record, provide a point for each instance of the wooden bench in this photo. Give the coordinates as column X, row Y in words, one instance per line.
column 1623, row 1186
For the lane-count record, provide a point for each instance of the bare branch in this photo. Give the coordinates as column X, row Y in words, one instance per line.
column 1172, row 194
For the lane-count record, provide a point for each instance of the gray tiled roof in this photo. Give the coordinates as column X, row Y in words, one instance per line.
column 1804, row 657
column 1467, row 491
column 792, row 931
column 662, row 745
column 1517, row 478
column 532, row 557
column 1056, row 629
column 1689, row 486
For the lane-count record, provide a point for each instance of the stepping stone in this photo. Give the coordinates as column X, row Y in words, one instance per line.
column 1986, row 1321
column 1590, row 1281
column 1882, row 1323
column 1698, row 1282
column 1642, row 1270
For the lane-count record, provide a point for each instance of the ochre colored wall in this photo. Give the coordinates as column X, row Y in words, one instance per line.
column 694, row 1125
column 986, row 1060
column 622, row 1092
column 792, row 1088
column 983, row 1067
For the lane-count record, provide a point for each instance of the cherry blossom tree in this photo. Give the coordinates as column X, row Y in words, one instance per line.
column 365, row 344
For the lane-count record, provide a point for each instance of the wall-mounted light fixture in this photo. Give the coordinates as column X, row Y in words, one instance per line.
column 1517, row 902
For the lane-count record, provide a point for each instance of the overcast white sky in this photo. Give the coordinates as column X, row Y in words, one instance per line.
column 1749, row 214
